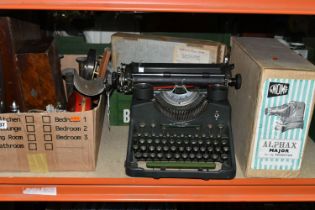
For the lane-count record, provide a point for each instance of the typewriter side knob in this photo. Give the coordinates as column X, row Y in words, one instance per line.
column 217, row 93
column 236, row 82
column 143, row 91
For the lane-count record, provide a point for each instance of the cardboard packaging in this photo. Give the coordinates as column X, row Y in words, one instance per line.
column 127, row 48
column 43, row 142
column 272, row 111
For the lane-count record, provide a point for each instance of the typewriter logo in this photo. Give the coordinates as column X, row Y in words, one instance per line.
column 278, row 89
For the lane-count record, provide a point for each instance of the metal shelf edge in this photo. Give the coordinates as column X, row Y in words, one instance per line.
column 210, row 6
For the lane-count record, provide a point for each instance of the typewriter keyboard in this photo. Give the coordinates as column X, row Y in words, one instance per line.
column 169, row 150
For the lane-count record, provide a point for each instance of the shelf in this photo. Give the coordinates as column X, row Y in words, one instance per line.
column 109, row 182
column 210, row 6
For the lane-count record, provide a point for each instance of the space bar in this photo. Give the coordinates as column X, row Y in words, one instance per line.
column 181, row 165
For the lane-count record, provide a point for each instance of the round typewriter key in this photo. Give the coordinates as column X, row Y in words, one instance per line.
column 149, row 141
column 135, row 146
column 181, row 149
column 139, row 134
column 173, row 148
column 217, row 149
column 196, row 135
column 152, row 155
column 200, row 141
column 195, row 149
column 205, row 156
column 159, row 155
column 174, row 135
column 138, row 155
column 168, row 135
column 192, row 156
column 168, row 155
column 193, row 142
column 199, row 156
column 220, row 126
column 177, row 156
column 208, row 142
column 202, row 149
column 153, row 125
column 158, row 148
column 188, row 148
column 215, row 142
column 184, row 155
column 161, row 135
column 203, row 135
column 182, row 135
column 143, row 148
column 224, row 156
column 157, row 141
column 214, row 156
column 141, row 141
column 178, row 142
column 172, row 141
column 151, row 148
column 145, row 155
column 146, row 134
column 186, row 141
column 189, row 136
column 225, row 149
column 210, row 149
column 224, row 142
column 153, row 134
column 164, row 141
column 165, row 148
column 219, row 136
column 142, row 124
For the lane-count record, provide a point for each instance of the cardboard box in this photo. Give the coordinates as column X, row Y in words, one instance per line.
column 42, row 142
column 127, row 48
column 119, row 108
column 271, row 112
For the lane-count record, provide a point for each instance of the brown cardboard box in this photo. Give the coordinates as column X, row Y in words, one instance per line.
column 42, row 142
column 127, row 48
column 271, row 112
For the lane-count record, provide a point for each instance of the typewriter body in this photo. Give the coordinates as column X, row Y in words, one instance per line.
column 180, row 120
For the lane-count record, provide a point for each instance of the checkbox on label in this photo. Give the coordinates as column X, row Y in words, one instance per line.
column 30, row 128
column 32, row 146
column 48, row 146
column 47, row 137
column 47, row 128
column 46, row 119
column 31, row 137
column 29, row 119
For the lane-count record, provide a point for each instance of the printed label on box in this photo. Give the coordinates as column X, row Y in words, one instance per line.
column 126, row 115
column 184, row 54
column 282, row 124
column 3, row 124
column 277, row 148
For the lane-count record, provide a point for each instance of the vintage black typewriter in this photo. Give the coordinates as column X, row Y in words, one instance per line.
column 180, row 120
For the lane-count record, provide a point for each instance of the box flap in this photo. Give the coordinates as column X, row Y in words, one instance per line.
column 164, row 38
column 270, row 53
